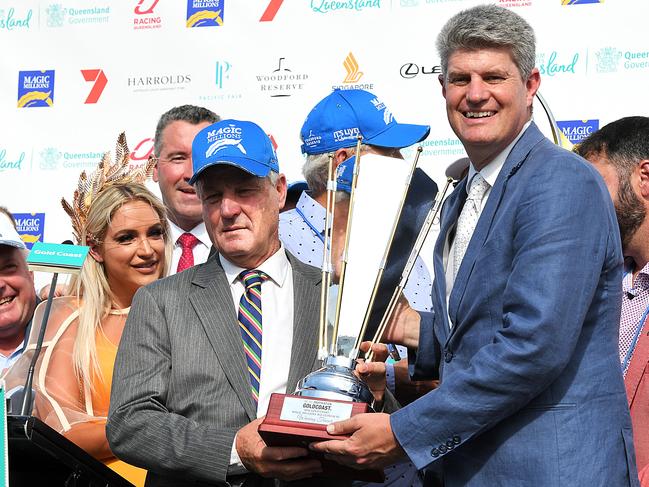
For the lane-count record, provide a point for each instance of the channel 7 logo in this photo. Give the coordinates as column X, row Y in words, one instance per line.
column 99, row 79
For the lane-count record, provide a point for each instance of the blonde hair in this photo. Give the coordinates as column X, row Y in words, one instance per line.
column 91, row 285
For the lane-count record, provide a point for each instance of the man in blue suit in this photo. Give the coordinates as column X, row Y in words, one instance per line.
column 526, row 297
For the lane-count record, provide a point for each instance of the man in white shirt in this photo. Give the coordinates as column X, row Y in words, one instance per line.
column 174, row 134
column 203, row 350
column 17, row 295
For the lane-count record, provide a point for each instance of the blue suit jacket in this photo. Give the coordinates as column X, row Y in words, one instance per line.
column 531, row 390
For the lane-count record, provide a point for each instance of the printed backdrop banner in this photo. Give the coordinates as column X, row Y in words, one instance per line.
column 75, row 73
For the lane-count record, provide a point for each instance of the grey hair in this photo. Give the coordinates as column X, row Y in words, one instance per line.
column 489, row 26
column 184, row 113
column 316, row 170
column 272, row 178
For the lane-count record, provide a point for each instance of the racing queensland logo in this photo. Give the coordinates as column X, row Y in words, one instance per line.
column 577, row 130
column 224, row 137
column 35, row 89
column 204, row 13
column 353, row 75
column 145, row 16
column 31, row 227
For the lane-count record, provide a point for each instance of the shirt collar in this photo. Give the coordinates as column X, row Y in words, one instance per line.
column 313, row 211
column 199, row 231
column 491, row 171
column 275, row 267
column 642, row 279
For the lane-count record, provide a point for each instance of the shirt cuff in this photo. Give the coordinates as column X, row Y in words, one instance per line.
column 390, row 382
column 236, row 466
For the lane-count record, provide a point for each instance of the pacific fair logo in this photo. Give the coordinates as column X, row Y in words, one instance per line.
column 99, row 79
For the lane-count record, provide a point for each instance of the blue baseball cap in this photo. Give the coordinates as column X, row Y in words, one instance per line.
column 339, row 118
column 236, row 143
column 345, row 175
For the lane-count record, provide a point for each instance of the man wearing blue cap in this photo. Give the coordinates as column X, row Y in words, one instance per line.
column 332, row 129
column 203, row 350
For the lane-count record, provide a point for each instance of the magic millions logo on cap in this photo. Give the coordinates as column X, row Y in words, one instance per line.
column 31, row 227
column 223, row 137
column 380, row 106
column 282, row 81
column 205, row 13
column 353, row 75
column 577, row 130
column 35, row 89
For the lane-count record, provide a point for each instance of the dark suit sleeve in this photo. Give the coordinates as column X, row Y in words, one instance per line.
column 140, row 429
column 423, row 363
column 564, row 237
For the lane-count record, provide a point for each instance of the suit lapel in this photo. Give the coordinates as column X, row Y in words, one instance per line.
column 513, row 162
column 306, row 307
column 450, row 213
column 212, row 300
column 638, row 364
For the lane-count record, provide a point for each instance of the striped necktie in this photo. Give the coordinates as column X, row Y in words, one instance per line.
column 250, row 325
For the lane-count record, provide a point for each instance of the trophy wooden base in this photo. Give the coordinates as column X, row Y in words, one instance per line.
column 298, row 421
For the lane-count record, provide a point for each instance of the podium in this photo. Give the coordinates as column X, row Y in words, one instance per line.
column 38, row 455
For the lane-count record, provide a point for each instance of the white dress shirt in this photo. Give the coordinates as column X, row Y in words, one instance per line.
column 490, row 173
column 277, row 328
column 201, row 251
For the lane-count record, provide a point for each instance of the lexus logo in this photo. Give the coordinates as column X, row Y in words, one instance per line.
column 410, row 70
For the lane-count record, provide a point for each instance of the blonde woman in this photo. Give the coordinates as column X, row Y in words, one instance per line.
column 126, row 228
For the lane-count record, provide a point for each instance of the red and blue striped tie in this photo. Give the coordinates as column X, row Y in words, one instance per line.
column 250, row 325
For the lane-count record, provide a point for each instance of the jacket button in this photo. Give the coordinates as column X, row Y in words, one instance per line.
column 443, row 449
column 456, row 440
column 448, row 356
column 450, row 445
column 434, row 452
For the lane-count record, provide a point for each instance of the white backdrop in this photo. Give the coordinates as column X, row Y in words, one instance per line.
column 593, row 56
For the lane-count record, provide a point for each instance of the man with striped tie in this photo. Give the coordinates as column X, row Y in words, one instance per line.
column 203, row 350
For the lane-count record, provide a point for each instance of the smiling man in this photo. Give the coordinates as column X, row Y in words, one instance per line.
column 17, row 295
column 174, row 134
column 203, row 350
column 526, row 296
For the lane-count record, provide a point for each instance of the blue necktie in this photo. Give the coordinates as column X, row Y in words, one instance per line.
column 250, row 325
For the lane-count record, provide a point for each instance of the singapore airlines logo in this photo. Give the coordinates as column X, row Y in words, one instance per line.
column 351, row 66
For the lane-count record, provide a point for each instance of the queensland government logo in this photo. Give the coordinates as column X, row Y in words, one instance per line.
column 353, row 75
column 411, row 70
column 51, row 159
column 35, row 89
column 204, row 13
column 13, row 161
column 552, row 65
column 58, row 15
column 11, row 20
column 31, row 227
column 608, row 60
column 326, row 6
column 282, row 81
column 577, row 130
column 159, row 82
column 145, row 16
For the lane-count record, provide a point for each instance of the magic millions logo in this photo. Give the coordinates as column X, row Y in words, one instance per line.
column 577, row 130
column 10, row 19
column 145, row 16
column 353, row 75
column 35, row 89
column 60, row 15
column 159, row 82
column 205, row 13
column 579, row 2
column 282, row 81
column 30, row 227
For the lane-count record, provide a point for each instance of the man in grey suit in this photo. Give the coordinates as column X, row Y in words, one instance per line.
column 194, row 371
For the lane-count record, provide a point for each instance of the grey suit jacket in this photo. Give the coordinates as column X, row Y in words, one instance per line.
column 180, row 387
